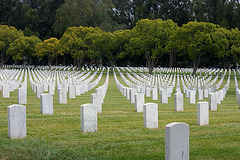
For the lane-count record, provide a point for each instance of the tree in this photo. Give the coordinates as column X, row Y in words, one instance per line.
column 111, row 45
column 150, row 37
column 77, row 42
column 234, row 44
column 87, row 13
column 7, row 35
column 49, row 48
column 194, row 39
column 23, row 48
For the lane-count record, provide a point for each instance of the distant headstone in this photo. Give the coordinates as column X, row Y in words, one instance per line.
column 5, row 91
column 148, row 92
column 200, row 94
column 150, row 115
column 95, row 99
column 71, row 91
column 133, row 91
column 16, row 121
column 62, row 96
column 154, row 94
column 202, row 113
column 88, row 118
column 39, row 90
column 22, row 96
column 205, row 93
column 177, row 141
column 139, row 102
column 212, row 101
column 192, row 97
column 178, row 102
column 164, row 96
column 46, row 103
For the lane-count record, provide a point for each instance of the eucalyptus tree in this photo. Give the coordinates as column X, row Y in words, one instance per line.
column 150, row 38
column 77, row 42
column 49, row 48
column 194, row 39
column 111, row 45
column 7, row 35
column 23, row 48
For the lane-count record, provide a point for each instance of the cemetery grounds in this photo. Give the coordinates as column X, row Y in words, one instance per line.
column 120, row 133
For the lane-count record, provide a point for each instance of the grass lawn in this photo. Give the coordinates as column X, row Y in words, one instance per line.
column 120, row 132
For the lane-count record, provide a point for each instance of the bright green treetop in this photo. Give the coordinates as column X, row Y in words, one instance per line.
column 7, row 36
column 150, row 37
column 49, row 48
column 23, row 48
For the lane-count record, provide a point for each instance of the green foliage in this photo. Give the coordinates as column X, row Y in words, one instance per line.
column 49, row 48
column 7, row 36
column 194, row 39
column 23, row 48
column 150, row 37
column 111, row 45
column 77, row 41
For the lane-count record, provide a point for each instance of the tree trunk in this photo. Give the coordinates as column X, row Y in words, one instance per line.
column 150, row 66
column 56, row 61
column 2, row 59
column 112, row 64
column 24, row 64
column 196, row 62
column 49, row 64
column 30, row 61
column 64, row 59
column 100, row 61
column 171, row 59
column 78, row 64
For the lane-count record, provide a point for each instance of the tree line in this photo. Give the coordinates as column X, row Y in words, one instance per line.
column 51, row 18
column 151, row 41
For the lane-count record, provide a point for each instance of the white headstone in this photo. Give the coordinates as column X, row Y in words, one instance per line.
column 202, row 113
column 139, row 102
column 95, row 99
column 164, row 96
column 88, row 118
column 22, row 96
column 16, row 121
column 177, row 141
column 178, row 102
column 71, row 91
column 212, row 101
column 132, row 91
column 200, row 94
column 150, row 115
column 5, row 91
column 148, row 92
column 46, row 103
column 154, row 94
column 192, row 97
column 205, row 93
column 62, row 96
column 39, row 90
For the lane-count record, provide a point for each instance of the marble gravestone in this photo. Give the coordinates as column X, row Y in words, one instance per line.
column 150, row 115
column 16, row 121
column 177, row 141
column 22, row 96
column 46, row 103
column 139, row 102
column 202, row 113
column 88, row 118
column 178, row 102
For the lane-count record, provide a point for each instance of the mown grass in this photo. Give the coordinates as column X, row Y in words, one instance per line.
column 120, row 132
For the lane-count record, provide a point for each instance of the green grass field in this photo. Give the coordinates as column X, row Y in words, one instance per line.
column 120, row 132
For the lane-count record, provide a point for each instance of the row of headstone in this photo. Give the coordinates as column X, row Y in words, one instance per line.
column 176, row 133
column 98, row 97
